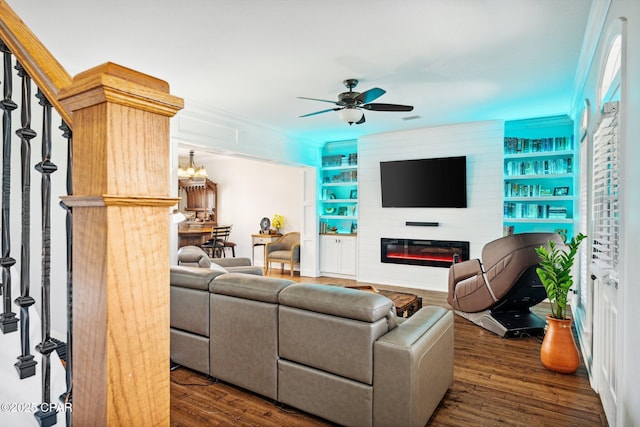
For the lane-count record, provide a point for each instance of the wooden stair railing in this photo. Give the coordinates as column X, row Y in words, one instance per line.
column 120, row 254
column 45, row 71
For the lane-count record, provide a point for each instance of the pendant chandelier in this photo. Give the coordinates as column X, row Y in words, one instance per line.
column 191, row 171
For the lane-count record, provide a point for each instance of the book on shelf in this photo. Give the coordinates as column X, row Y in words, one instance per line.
column 557, row 212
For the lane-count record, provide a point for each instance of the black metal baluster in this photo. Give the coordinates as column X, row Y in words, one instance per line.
column 26, row 366
column 66, row 397
column 8, row 320
column 46, row 416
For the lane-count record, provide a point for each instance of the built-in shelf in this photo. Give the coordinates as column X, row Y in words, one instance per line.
column 539, row 199
column 338, row 197
column 539, row 175
column 540, row 220
column 340, row 201
column 338, row 209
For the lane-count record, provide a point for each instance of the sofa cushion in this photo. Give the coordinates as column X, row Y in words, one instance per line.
column 283, row 255
column 249, row 286
column 329, row 396
column 329, row 343
column 337, row 301
column 192, row 277
column 190, row 350
column 246, row 269
column 233, row 262
column 218, row 267
column 190, row 310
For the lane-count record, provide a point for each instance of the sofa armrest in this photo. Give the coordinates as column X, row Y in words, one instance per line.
column 464, row 270
column 193, row 256
column 413, row 368
column 232, row 262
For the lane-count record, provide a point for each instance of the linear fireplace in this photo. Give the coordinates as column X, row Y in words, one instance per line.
column 433, row 253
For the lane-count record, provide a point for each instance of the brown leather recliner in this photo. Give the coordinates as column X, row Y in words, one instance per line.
column 497, row 292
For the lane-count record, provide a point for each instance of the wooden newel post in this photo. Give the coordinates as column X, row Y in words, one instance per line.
column 120, row 202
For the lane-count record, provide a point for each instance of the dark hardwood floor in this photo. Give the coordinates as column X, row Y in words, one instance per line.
column 497, row 382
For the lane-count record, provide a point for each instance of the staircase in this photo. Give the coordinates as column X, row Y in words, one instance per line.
column 113, row 206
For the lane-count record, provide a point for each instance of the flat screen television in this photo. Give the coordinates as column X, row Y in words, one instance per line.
column 424, row 183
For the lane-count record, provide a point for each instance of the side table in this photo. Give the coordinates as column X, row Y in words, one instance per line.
column 262, row 240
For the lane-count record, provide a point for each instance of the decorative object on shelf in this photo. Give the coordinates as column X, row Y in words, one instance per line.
column 558, row 352
column 191, row 171
column 561, row 191
column 353, row 194
column 265, row 224
column 342, row 210
column 277, row 222
column 330, row 210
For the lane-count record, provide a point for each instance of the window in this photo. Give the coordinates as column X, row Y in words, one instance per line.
column 611, row 72
column 605, row 202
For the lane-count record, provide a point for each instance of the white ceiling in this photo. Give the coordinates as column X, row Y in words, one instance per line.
column 454, row 60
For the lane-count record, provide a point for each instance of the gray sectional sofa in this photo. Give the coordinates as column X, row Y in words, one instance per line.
column 333, row 352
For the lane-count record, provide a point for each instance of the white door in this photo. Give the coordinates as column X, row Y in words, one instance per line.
column 605, row 238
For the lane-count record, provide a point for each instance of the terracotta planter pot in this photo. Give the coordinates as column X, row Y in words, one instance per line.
column 559, row 352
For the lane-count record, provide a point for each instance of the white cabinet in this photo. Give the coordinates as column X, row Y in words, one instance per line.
column 338, row 255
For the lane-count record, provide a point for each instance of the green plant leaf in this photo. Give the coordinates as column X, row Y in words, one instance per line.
column 555, row 271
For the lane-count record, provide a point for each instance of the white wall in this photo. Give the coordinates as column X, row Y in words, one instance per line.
column 587, row 81
column 629, row 385
column 479, row 223
column 219, row 132
column 249, row 190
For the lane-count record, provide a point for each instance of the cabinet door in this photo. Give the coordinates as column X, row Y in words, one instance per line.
column 329, row 254
column 348, row 255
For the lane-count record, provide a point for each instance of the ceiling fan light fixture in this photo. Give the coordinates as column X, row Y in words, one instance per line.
column 350, row 115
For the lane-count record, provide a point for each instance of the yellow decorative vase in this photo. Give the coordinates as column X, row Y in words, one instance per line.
column 559, row 352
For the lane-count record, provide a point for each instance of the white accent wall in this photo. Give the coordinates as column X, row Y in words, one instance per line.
column 249, row 190
column 479, row 223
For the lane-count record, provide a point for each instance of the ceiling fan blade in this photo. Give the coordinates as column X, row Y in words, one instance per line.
column 316, row 99
column 320, row 112
column 370, row 95
column 361, row 121
column 386, row 107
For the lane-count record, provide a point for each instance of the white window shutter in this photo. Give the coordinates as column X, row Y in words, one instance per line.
column 605, row 201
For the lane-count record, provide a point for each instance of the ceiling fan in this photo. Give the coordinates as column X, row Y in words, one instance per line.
column 350, row 104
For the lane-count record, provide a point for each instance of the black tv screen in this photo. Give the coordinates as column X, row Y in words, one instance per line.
column 424, row 183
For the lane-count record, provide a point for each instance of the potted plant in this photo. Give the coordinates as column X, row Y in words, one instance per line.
column 277, row 222
column 559, row 351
